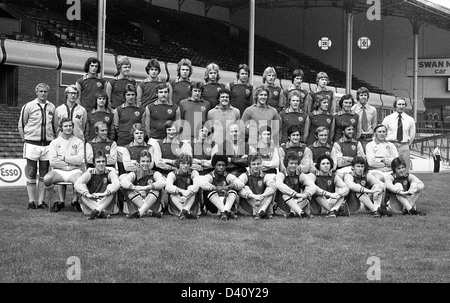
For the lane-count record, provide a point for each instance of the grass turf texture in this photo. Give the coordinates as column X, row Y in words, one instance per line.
column 36, row 244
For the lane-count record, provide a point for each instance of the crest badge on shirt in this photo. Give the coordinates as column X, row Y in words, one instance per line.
column 169, row 111
column 136, row 114
column 300, row 119
column 106, row 119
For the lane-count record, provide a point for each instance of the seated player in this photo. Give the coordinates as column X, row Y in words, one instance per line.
column 364, row 188
column 267, row 149
column 219, row 189
column 66, row 158
column 345, row 149
column 182, row 185
column 403, row 189
column 258, row 192
column 295, row 190
column 331, row 189
column 101, row 142
column 319, row 148
column 294, row 144
column 97, row 187
column 143, row 189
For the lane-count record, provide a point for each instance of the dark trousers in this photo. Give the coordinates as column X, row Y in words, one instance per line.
column 437, row 163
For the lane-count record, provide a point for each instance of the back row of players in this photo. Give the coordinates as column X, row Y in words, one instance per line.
column 199, row 128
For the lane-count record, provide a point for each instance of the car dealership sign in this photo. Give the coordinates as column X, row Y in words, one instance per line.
column 429, row 67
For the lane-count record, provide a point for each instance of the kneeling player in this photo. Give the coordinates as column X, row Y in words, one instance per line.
column 331, row 189
column 219, row 189
column 364, row 188
column 182, row 186
column 258, row 192
column 294, row 190
column 403, row 189
column 143, row 189
column 97, row 187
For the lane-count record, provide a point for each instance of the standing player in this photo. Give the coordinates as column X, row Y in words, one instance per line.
column 367, row 116
column 126, row 115
column 293, row 115
column 261, row 114
column 345, row 114
column 297, row 79
column 181, row 85
column 73, row 111
column 241, row 90
column 101, row 113
column 276, row 97
column 90, row 83
column 222, row 116
column 158, row 113
column 117, row 87
column 212, row 85
column 192, row 112
column 320, row 117
column 147, row 90
column 97, row 187
column 36, row 130
column 321, row 92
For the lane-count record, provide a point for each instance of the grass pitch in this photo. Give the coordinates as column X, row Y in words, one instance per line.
column 36, row 245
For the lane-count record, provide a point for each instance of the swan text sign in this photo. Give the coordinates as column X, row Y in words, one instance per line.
column 429, row 67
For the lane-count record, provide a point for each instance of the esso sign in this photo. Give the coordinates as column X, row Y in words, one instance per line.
column 10, row 172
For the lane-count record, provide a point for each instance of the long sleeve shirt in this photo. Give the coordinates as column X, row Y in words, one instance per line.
column 36, row 122
column 409, row 127
column 72, row 149
column 77, row 114
column 380, row 155
column 81, row 185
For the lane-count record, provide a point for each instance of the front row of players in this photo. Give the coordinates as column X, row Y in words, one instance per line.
column 289, row 193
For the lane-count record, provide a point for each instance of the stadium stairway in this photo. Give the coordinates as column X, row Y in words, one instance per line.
column 11, row 145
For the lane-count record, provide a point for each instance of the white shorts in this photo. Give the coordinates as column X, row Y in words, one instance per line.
column 36, row 152
column 67, row 174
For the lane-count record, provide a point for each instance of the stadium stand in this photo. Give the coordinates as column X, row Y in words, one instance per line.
column 155, row 32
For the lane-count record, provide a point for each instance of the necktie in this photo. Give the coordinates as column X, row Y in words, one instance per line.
column 399, row 128
column 364, row 119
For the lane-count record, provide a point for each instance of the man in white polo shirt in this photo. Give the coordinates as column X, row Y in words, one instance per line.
column 401, row 130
